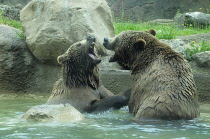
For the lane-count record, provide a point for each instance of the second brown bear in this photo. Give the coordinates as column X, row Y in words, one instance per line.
column 163, row 83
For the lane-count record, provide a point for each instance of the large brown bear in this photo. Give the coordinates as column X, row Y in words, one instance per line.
column 163, row 87
column 79, row 85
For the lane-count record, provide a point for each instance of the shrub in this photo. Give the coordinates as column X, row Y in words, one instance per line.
column 197, row 48
column 166, row 31
column 12, row 23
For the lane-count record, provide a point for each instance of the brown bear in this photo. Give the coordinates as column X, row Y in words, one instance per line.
column 79, row 85
column 163, row 83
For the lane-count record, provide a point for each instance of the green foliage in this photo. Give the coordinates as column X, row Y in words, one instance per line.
column 12, row 23
column 166, row 31
column 197, row 48
column 163, row 31
column 208, row 9
column 122, row 16
column 20, row 34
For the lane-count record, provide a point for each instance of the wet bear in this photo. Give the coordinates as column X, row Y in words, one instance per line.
column 163, row 83
column 79, row 85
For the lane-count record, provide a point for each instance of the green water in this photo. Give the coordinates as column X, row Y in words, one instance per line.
column 108, row 125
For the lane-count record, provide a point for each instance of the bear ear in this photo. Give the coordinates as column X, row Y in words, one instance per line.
column 61, row 59
column 139, row 44
column 152, row 31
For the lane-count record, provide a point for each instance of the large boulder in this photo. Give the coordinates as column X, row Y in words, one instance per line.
column 51, row 26
column 202, row 59
column 20, row 72
column 113, row 77
column 202, row 81
column 15, row 60
column 59, row 113
column 194, row 19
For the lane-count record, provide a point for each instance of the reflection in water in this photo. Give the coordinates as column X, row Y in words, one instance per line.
column 107, row 125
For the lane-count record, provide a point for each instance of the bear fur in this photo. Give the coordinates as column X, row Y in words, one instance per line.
column 79, row 85
column 163, row 83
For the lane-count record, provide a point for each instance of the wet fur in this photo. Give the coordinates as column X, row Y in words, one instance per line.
column 79, row 85
column 163, row 87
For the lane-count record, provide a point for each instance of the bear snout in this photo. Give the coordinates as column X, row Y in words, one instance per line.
column 106, row 39
column 106, row 43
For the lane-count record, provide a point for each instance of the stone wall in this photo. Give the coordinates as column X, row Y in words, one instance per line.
column 14, row 2
column 146, row 10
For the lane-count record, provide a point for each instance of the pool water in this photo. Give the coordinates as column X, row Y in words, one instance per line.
column 108, row 125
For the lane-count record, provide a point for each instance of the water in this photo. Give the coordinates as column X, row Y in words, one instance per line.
column 108, row 125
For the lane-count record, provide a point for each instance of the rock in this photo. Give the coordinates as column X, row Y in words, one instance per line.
column 177, row 45
column 146, row 10
column 202, row 59
column 106, row 65
column 115, row 79
column 194, row 19
column 58, row 113
column 51, row 26
column 12, row 13
column 20, row 72
column 202, row 81
column 162, row 21
column 16, row 61
column 14, row 2
column 197, row 38
column 179, row 20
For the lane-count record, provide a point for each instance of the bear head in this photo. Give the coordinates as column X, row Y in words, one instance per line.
column 128, row 45
column 79, row 64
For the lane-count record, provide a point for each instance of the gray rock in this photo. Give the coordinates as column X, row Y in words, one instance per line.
column 179, row 20
column 15, row 60
column 146, row 10
column 51, row 26
column 14, row 2
column 12, row 13
column 58, row 113
column 202, row 81
column 162, row 21
column 194, row 19
column 20, row 72
column 117, row 81
column 196, row 38
column 113, row 78
column 202, row 59
column 177, row 45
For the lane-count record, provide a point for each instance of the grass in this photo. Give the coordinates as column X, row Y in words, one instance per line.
column 12, row 23
column 197, row 48
column 163, row 31
column 168, row 32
